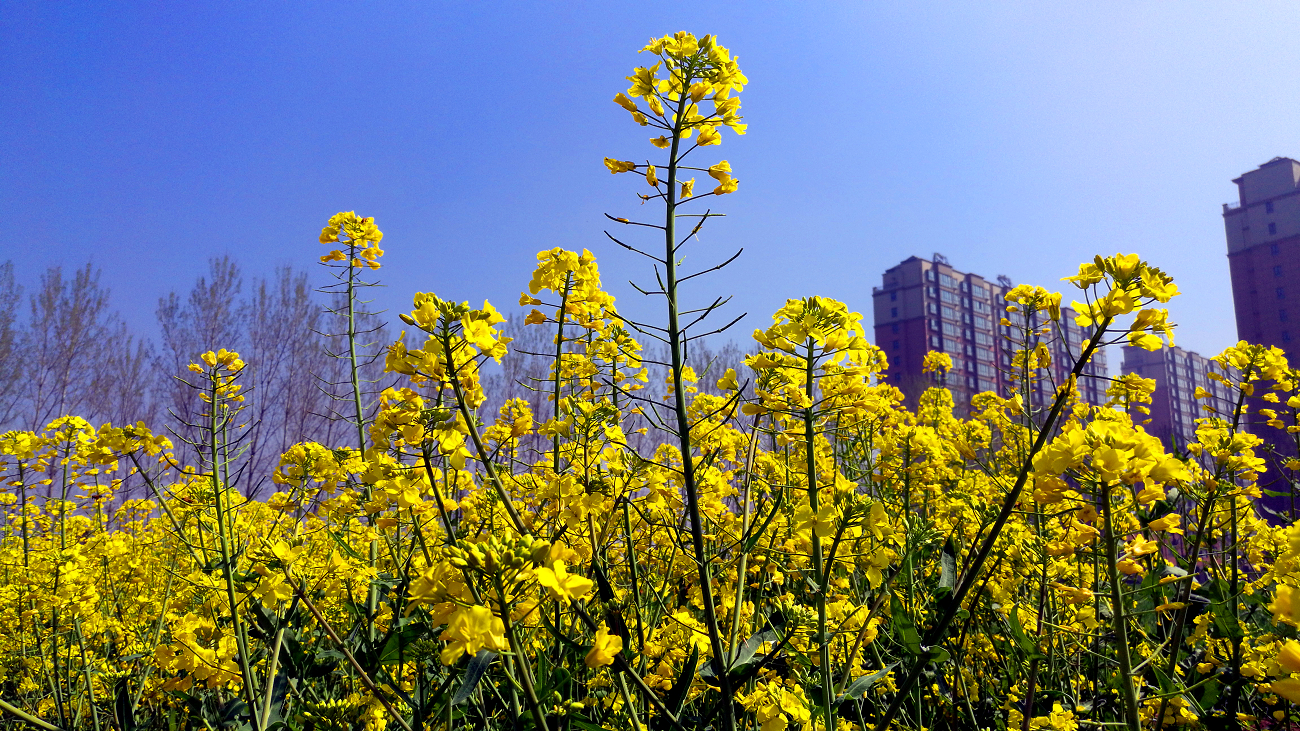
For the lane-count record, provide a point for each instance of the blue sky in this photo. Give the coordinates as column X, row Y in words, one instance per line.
column 1017, row 138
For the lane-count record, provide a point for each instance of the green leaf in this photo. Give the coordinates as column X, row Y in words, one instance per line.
column 1027, row 645
column 858, row 688
column 345, row 547
column 750, row 646
column 554, row 681
column 474, row 672
column 677, row 696
column 395, row 651
column 122, row 706
column 905, row 628
column 1225, row 621
column 1211, row 694
column 1166, row 685
column 947, row 572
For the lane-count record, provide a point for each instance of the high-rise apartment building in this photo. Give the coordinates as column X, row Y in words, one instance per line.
column 926, row 305
column 1263, row 232
column 1174, row 406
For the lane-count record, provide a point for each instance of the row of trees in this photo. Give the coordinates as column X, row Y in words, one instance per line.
column 65, row 350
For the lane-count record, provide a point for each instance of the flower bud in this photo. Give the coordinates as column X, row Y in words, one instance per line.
column 541, row 550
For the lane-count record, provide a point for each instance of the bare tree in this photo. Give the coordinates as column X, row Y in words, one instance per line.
column 75, row 356
column 333, row 378
column 11, row 354
column 124, row 386
column 65, row 340
column 285, row 351
column 211, row 317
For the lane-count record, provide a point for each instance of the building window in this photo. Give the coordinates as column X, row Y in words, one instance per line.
column 935, row 342
column 893, row 296
column 934, row 309
column 1272, row 229
column 893, row 312
column 1272, row 249
column 934, row 291
column 1277, row 270
column 1281, row 315
column 929, row 274
column 934, row 324
column 1268, row 207
column 894, row 327
column 1286, row 336
column 1281, row 293
column 895, row 345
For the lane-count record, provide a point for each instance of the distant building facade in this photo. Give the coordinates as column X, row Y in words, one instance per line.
column 926, row 305
column 1263, row 233
column 1174, row 406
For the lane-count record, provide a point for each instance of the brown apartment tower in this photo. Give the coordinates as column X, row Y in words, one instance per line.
column 1263, row 232
column 926, row 305
column 1174, row 407
column 1264, row 253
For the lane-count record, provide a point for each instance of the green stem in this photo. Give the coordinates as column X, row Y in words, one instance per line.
column 525, row 676
column 1039, row 624
column 742, row 570
column 27, row 717
column 453, row 375
column 1119, row 616
column 559, row 356
column 273, row 666
column 354, row 375
column 1185, row 593
column 971, row 574
column 362, row 675
column 227, row 559
column 814, row 502
column 85, row 669
column 675, row 348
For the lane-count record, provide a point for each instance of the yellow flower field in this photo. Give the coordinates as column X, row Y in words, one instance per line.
column 801, row 552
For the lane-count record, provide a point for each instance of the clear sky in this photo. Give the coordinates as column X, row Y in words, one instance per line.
column 1016, row 138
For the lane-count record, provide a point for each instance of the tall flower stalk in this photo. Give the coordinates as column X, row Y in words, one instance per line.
column 695, row 72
